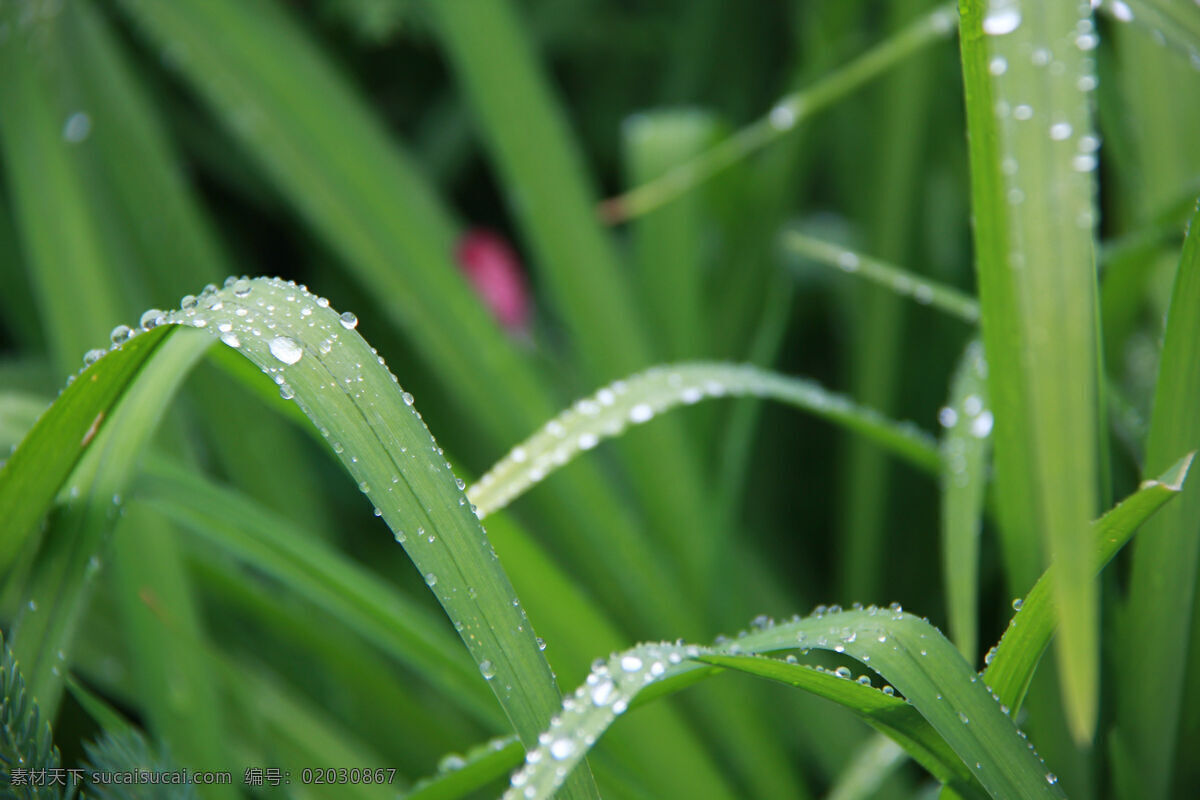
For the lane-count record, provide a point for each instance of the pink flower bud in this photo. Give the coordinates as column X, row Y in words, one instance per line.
column 496, row 273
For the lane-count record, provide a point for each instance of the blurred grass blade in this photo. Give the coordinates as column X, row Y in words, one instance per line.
column 871, row 768
column 1168, row 21
column 1032, row 152
column 63, row 434
column 907, row 284
column 238, row 526
column 909, row 653
column 668, row 244
column 458, row 776
column 1156, row 616
column 783, row 117
column 314, row 138
column 1010, row 667
column 641, row 397
column 967, row 424
column 315, row 356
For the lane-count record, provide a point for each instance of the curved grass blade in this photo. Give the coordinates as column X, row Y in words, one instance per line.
column 316, row 357
column 907, row 284
column 1011, row 665
column 965, row 443
column 458, row 776
column 783, row 117
column 50, row 451
column 880, row 708
column 1033, row 162
column 640, row 398
column 911, row 654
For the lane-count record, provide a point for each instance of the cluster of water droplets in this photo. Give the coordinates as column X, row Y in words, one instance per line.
column 639, row 399
column 1024, row 71
column 613, row 683
column 966, row 420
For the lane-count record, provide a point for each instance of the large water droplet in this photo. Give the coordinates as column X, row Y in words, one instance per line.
column 561, row 749
column 1001, row 21
column 152, row 318
column 348, row 320
column 241, row 287
column 120, row 334
column 631, row 663
column 486, row 669
column 286, row 349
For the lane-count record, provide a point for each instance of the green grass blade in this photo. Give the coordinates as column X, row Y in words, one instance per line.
column 1032, row 166
column 784, row 116
column 333, row 162
column 316, row 357
column 1173, row 23
column 644, row 396
column 904, row 283
column 458, row 776
column 1156, row 616
column 40, row 466
column 965, row 440
column 237, row 526
column 909, row 653
column 888, row 714
column 668, row 244
column 865, row 775
column 70, row 559
column 1010, row 667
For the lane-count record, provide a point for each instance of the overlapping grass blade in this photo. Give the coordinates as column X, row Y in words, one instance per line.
column 238, row 526
column 965, row 442
column 881, row 709
column 1155, row 618
column 1011, row 666
column 1032, row 149
column 316, row 357
column 909, row 653
column 783, row 117
column 334, row 163
column 641, row 397
column 907, row 284
column 458, row 776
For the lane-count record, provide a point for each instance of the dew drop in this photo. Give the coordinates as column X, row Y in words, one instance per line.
column 431, row 580
column 151, row 319
column 998, row 65
column 77, row 127
column 286, row 349
column 963, row 718
column 1001, row 21
column 603, row 693
column 642, row 412
column 91, row 357
column 1051, row 778
column 631, row 663
column 842, row 672
column 241, row 287
column 561, row 749
column 348, row 320
column 981, row 426
column 121, row 334
column 782, row 117
column 1017, row 603
column 587, row 441
column 286, row 392
column 1060, row 131
column 231, row 339
column 487, row 670
column 408, row 398
column 947, row 417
